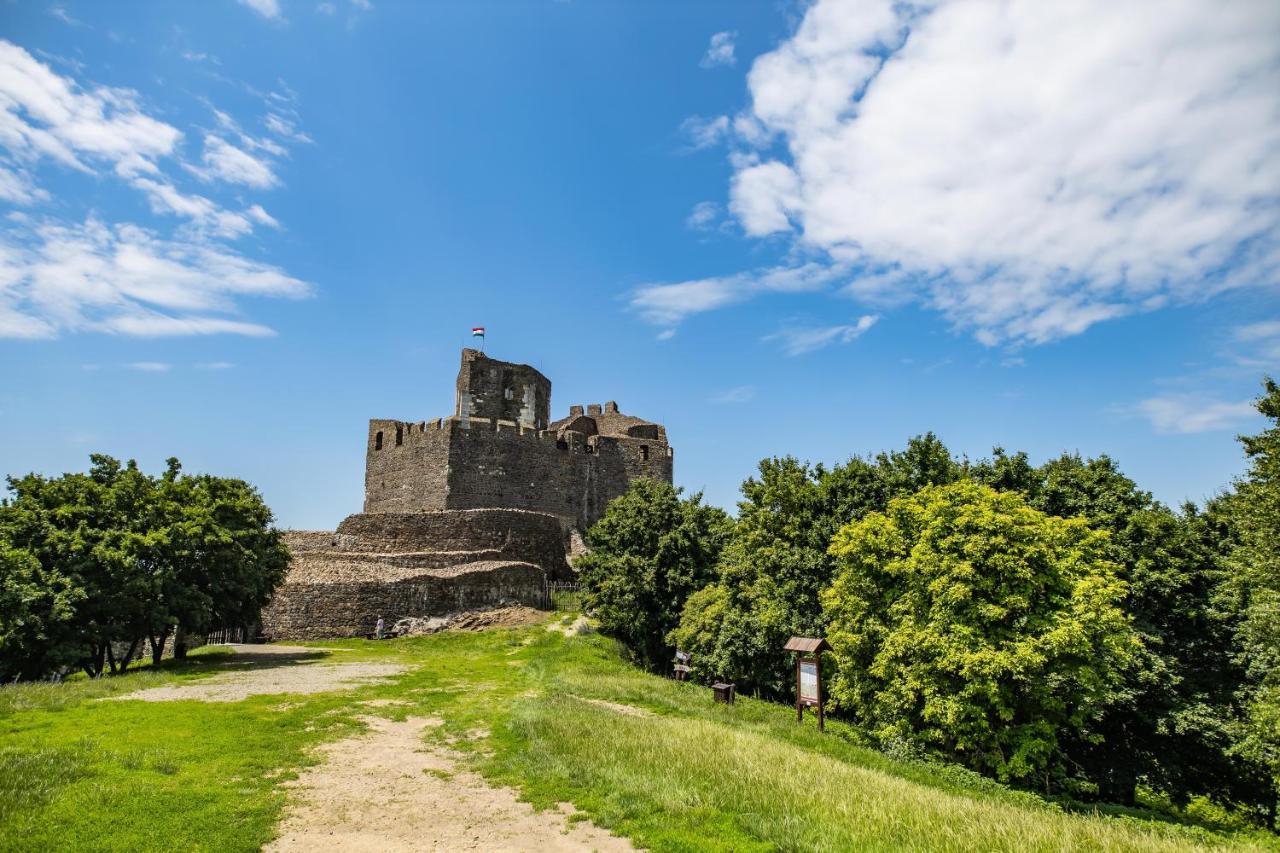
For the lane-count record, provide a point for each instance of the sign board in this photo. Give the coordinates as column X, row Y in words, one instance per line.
column 808, row 651
column 809, row 681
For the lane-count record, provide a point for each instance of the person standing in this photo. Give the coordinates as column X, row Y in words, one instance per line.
column 377, row 629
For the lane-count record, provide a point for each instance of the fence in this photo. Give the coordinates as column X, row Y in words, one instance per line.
column 561, row 596
column 238, row 634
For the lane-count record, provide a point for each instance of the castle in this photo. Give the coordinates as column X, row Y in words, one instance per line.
column 466, row 510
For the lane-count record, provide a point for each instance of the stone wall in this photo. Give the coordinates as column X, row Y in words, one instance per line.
column 406, row 465
column 501, row 390
column 486, row 464
column 574, row 478
column 512, row 534
column 309, row 608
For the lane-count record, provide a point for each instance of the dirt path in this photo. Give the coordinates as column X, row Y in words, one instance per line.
column 255, row 670
column 386, row 790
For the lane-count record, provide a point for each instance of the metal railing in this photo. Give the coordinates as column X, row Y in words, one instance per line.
column 562, row 596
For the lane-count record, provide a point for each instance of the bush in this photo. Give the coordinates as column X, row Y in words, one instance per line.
column 975, row 627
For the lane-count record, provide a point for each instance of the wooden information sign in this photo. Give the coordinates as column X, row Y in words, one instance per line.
column 808, row 674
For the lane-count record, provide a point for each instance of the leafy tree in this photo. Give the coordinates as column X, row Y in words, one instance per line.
column 1253, row 589
column 777, row 564
column 1168, row 723
column 36, row 608
column 218, row 556
column 126, row 556
column 649, row 553
column 976, row 628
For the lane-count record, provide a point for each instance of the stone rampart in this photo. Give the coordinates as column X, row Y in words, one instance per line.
column 308, row 608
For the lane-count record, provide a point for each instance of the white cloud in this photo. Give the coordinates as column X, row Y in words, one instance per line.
column 704, row 132
column 226, row 162
column 214, row 365
column 1258, row 331
column 125, row 280
column 1029, row 168
column 63, row 15
column 1187, row 413
column 741, row 394
column 285, row 128
column 1260, row 344
column 59, row 276
column 362, row 5
column 269, row 9
column 703, row 215
column 800, row 340
column 669, row 304
column 326, row 9
column 720, row 50
column 150, row 366
column 44, row 115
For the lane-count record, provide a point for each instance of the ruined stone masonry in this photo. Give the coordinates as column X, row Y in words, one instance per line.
column 468, row 510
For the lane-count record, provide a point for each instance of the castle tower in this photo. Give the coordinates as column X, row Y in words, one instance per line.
column 501, row 390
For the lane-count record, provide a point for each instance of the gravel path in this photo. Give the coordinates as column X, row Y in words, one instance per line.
column 386, row 790
column 257, row 670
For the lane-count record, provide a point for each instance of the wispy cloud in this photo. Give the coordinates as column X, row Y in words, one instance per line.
column 669, row 304
column 150, row 366
column 63, row 15
column 704, row 132
column 1187, row 413
column 797, row 340
column 720, row 50
column 214, row 365
column 741, row 394
column 269, row 9
column 224, row 161
column 126, row 280
column 59, row 276
column 924, row 138
column 703, row 215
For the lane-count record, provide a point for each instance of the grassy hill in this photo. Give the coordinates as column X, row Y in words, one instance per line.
column 561, row 718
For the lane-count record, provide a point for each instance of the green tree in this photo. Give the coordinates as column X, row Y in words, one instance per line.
column 649, row 553
column 1168, row 723
column 128, row 556
column 1253, row 589
column 36, row 609
column 217, row 556
column 976, row 628
column 777, row 564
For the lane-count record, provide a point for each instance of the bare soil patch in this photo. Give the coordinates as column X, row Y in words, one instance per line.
column 617, row 707
column 508, row 616
column 386, row 790
column 258, row 670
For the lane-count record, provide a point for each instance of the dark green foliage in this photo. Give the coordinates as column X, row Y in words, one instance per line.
column 649, row 553
column 976, row 628
column 777, row 563
column 1253, row 588
column 93, row 564
column 1168, row 724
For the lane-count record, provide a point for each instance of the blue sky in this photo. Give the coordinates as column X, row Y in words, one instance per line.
column 234, row 231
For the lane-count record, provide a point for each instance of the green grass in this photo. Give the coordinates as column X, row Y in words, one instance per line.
column 78, row 773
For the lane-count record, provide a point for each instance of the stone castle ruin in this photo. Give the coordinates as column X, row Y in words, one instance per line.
column 468, row 510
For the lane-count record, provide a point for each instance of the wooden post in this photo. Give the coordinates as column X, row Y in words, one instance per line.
column 799, row 705
column 818, row 662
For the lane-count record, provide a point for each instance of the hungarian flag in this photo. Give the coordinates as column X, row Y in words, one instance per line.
column 477, row 332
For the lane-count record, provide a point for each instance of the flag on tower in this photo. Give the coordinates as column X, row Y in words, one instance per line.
column 477, row 332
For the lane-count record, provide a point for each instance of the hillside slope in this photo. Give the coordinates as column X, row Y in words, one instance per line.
column 558, row 716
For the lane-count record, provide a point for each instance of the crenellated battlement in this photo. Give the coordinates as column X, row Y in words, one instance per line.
column 499, row 450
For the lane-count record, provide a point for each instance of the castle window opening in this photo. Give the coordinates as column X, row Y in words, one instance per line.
column 644, row 452
column 377, row 441
column 509, row 393
column 400, row 435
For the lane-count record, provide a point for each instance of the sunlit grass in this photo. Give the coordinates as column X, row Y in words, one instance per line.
column 684, row 774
